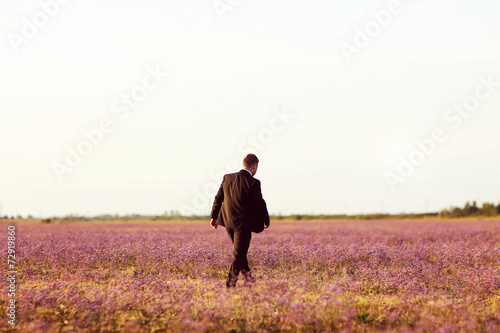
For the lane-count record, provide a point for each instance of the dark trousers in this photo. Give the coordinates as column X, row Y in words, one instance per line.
column 241, row 242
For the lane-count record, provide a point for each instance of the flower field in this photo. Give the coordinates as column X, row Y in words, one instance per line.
column 351, row 276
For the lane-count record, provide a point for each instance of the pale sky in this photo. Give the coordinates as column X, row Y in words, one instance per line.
column 347, row 120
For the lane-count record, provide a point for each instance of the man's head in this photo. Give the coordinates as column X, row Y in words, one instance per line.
column 251, row 163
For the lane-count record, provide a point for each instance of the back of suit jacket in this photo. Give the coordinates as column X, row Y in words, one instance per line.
column 239, row 204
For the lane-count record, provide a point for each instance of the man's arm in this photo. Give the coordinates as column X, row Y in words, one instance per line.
column 260, row 204
column 265, row 215
column 219, row 199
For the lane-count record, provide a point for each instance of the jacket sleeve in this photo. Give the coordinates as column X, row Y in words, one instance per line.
column 260, row 204
column 219, row 199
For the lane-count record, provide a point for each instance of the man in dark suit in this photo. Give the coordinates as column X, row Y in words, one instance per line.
column 240, row 208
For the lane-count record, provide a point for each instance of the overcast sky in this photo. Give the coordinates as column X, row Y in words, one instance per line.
column 351, row 106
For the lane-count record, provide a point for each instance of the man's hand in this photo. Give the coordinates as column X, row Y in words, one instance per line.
column 266, row 226
column 213, row 223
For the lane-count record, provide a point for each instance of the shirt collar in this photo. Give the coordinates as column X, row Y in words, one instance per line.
column 248, row 172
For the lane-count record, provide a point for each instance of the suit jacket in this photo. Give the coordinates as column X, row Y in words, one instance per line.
column 239, row 204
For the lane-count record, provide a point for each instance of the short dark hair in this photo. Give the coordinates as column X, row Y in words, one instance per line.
column 250, row 160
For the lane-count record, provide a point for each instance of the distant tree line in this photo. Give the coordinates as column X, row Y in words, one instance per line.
column 375, row 216
column 167, row 216
column 488, row 209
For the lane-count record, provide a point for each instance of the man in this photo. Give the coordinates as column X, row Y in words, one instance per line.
column 240, row 208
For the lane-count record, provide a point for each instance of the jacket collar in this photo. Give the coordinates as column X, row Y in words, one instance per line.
column 246, row 171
